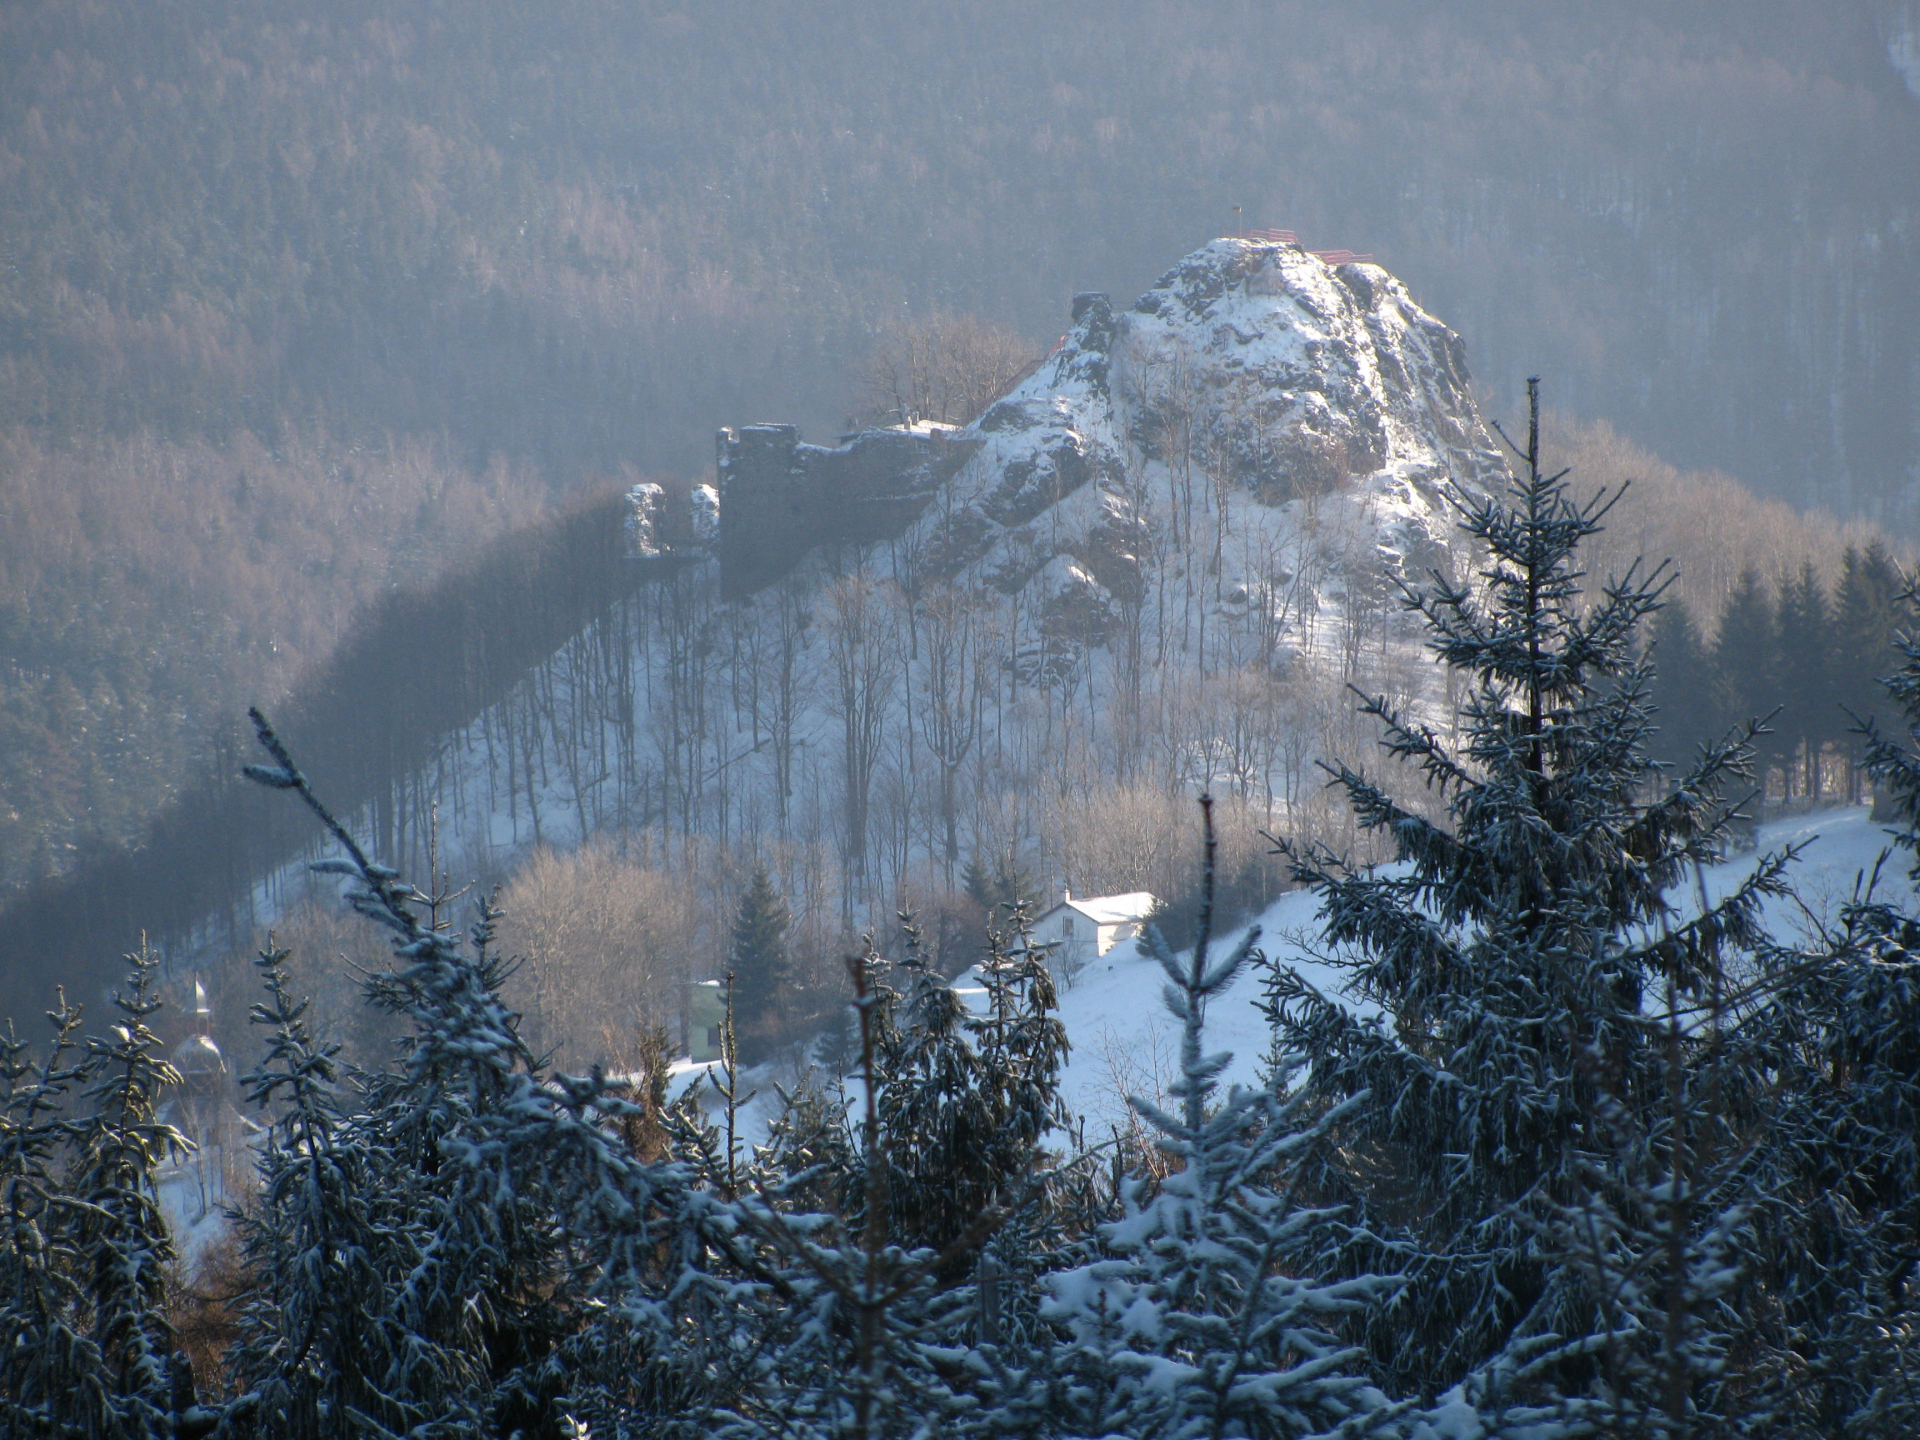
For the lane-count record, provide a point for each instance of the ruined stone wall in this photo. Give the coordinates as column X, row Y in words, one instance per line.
column 781, row 497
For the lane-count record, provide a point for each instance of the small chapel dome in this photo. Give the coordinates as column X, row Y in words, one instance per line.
column 198, row 1058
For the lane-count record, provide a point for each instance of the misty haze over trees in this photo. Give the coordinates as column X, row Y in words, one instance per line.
column 366, row 366
column 429, row 271
column 873, row 723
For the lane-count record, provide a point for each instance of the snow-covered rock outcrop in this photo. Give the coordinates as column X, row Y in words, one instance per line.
column 1252, row 378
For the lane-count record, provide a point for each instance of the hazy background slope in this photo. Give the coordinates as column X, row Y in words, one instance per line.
column 300, row 304
column 586, row 230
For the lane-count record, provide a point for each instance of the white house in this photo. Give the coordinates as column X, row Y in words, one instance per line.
column 706, row 1016
column 1086, row 928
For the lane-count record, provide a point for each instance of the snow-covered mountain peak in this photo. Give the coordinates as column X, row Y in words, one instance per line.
column 1339, row 352
column 1253, row 389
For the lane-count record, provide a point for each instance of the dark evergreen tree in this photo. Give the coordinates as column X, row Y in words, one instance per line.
column 1001, row 885
column 1512, row 954
column 966, row 1100
column 757, row 951
column 1686, row 695
column 1807, row 715
column 326, row 1244
column 120, row 1234
column 49, row 1368
column 1022, row 1046
column 1660, row 1243
column 811, row 1150
column 1745, row 658
column 1845, row 1022
column 1864, row 608
column 846, row 1319
column 898, row 1254
column 88, row 1347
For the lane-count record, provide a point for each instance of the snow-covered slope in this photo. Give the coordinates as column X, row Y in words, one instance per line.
column 1191, row 506
column 1125, row 1042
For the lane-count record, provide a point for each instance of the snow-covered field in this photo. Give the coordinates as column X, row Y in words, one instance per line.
column 1124, row 1041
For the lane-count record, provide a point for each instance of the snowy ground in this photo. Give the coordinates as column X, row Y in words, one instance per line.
column 1842, row 848
column 1124, row 1041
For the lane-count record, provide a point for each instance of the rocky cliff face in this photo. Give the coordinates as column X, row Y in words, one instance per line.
column 1254, row 391
column 1257, row 403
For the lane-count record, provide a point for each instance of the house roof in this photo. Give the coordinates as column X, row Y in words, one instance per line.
column 1111, row 909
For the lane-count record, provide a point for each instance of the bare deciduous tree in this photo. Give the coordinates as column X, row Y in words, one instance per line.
column 950, row 686
column 606, row 943
column 787, row 636
column 942, row 367
column 860, row 624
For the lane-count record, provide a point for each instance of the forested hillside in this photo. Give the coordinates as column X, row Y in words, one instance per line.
column 1167, row 554
column 406, row 275
column 150, row 589
column 585, row 232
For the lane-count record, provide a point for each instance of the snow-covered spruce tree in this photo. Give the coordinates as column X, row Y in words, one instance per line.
column 870, row 1239
column 1022, row 1046
column 49, row 1369
column 966, row 1100
column 325, row 1243
column 548, row 1275
column 847, row 1314
column 1512, row 951
column 120, row 1238
column 85, row 1346
column 811, row 1150
column 1846, row 1032
column 968, row 1103
column 1661, row 1248
column 1193, row 1319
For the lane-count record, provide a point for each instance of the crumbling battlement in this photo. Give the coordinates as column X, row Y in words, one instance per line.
column 780, row 497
